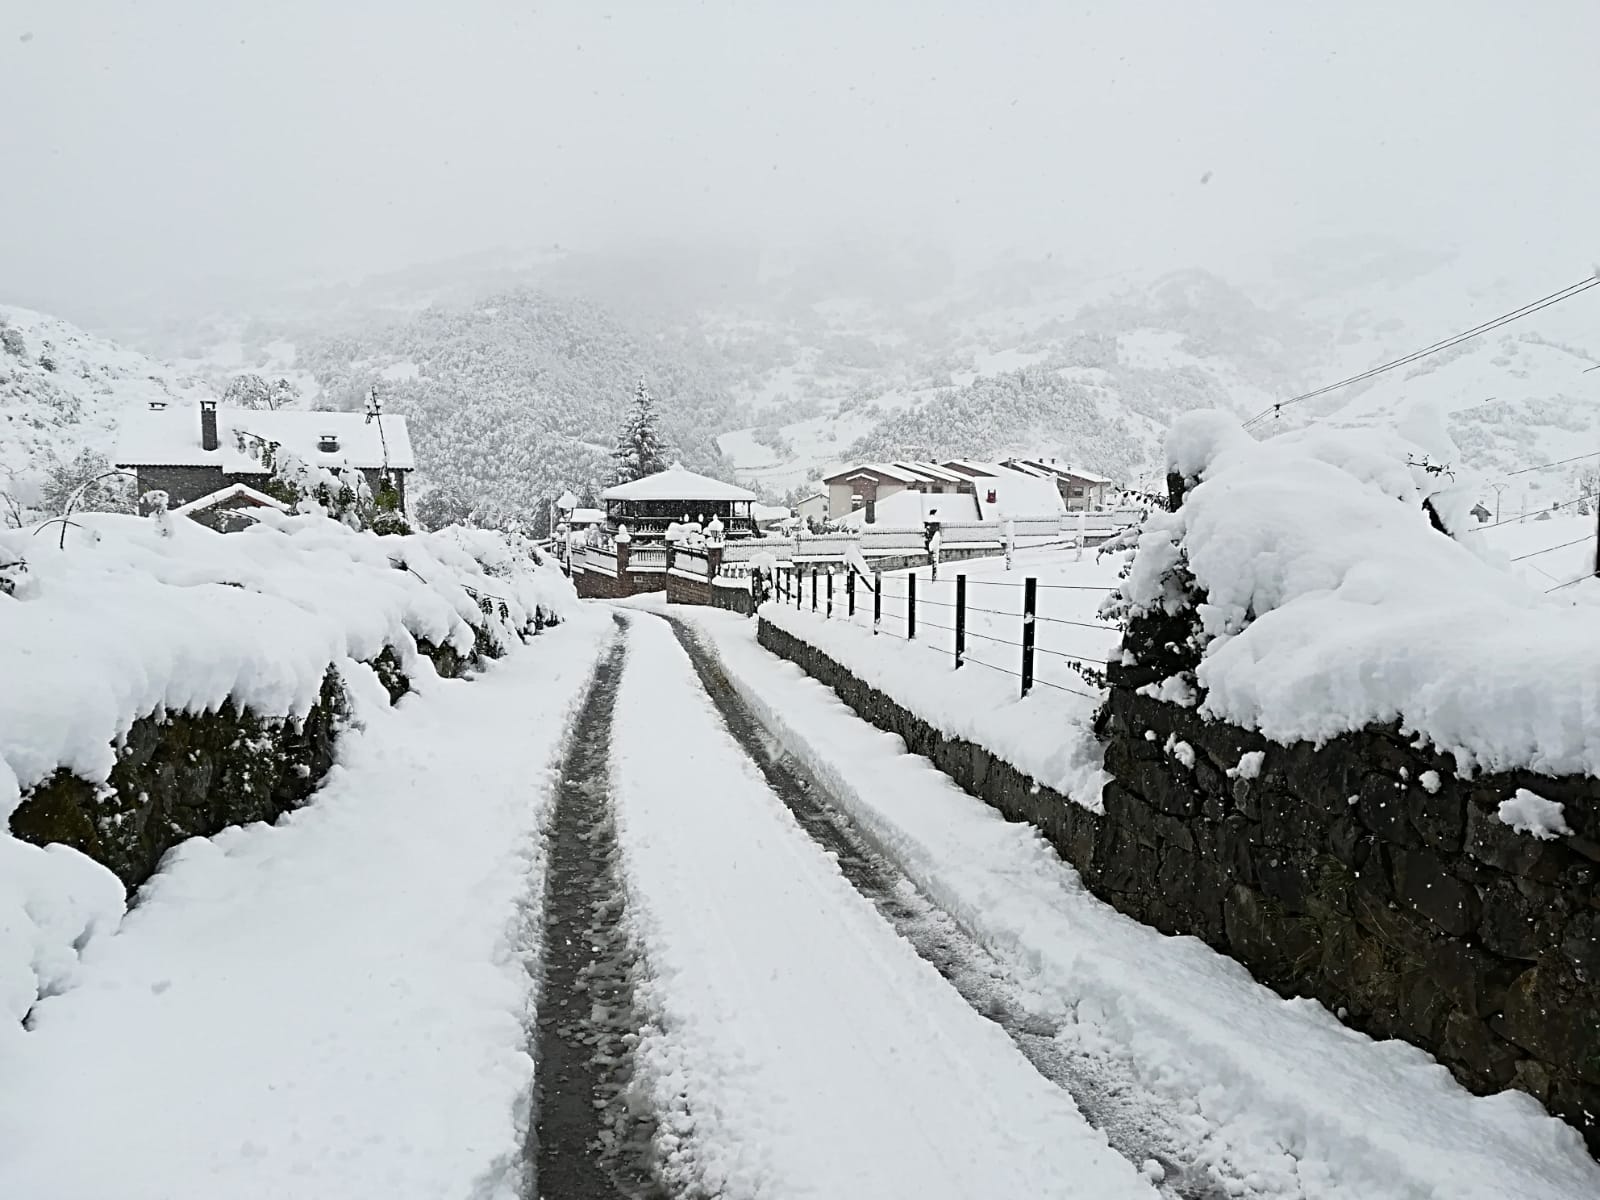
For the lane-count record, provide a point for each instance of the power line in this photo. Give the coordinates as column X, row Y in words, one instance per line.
column 1524, row 516
column 1560, row 462
column 1547, row 549
column 1570, row 582
column 1515, row 314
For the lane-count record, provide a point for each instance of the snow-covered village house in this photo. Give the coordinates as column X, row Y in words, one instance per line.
column 974, row 491
column 212, row 462
column 864, row 486
column 677, row 496
column 1080, row 489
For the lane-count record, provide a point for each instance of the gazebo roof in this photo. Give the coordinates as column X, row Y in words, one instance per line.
column 676, row 483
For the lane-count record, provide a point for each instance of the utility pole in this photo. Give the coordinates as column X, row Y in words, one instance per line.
column 1498, row 489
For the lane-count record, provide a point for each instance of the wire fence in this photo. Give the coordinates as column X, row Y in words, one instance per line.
column 917, row 607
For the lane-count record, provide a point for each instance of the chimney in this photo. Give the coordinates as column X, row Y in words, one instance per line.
column 208, row 425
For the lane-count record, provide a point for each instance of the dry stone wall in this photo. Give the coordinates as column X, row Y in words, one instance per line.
column 1367, row 873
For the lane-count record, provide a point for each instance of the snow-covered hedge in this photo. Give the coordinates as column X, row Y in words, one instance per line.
column 141, row 616
column 1319, row 599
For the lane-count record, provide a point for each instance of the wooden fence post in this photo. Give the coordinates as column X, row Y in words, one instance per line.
column 877, row 600
column 911, row 607
column 850, row 594
column 961, row 619
column 830, row 595
column 1030, row 598
column 813, row 587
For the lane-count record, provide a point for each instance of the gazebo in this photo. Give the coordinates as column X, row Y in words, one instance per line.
column 647, row 506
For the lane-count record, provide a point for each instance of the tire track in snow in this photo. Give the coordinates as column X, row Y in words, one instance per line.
column 1136, row 1124
column 587, row 1141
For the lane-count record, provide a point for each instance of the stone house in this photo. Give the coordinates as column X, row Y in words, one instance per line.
column 212, row 461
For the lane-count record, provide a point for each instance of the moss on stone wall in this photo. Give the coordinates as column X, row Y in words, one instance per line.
column 184, row 775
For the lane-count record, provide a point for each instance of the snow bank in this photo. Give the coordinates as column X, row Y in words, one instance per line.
column 1047, row 735
column 1331, row 603
column 335, row 1005
column 137, row 616
column 126, row 622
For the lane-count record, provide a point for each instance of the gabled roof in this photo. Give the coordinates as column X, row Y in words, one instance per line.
column 881, row 470
column 233, row 491
column 932, row 471
column 1086, row 476
column 970, row 469
column 1035, row 466
column 171, row 438
column 676, row 483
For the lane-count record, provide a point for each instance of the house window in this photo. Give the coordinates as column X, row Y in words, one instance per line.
column 991, row 496
column 328, row 443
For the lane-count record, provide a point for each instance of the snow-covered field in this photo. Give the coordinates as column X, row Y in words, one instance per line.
column 333, row 1006
column 1276, row 1095
column 1045, row 734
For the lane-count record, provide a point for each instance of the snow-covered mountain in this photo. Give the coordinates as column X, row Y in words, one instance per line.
column 62, row 393
column 1091, row 369
column 516, row 370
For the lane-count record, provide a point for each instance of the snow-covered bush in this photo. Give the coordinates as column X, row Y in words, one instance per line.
column 1300, row 589
column 133, row 619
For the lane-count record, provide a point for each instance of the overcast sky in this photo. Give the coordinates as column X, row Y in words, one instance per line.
column 146, row 145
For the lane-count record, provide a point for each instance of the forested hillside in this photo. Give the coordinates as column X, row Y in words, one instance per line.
column 62, row 393
column 517, row 398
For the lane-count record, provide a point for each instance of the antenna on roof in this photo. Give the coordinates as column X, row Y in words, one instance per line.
column 375, row 413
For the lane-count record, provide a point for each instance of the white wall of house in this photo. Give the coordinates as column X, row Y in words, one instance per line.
column 813, row 508
column 841, row 496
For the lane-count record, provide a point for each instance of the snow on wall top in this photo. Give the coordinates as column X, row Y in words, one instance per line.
column 676, row 483
column 1332, row 603
column 129, row 620
column 171, row 438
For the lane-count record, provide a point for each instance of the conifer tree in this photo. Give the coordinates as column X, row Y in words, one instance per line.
column 640, row 450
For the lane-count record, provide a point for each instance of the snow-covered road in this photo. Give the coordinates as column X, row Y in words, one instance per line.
column 799, row 1046
column 781, row 958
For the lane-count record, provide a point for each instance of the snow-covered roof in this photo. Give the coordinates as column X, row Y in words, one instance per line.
column 969, row 468
column 587, row 516
column 931, row 471
column 676, row 483
column 1039, row 466
column 883, row 470
column 1086, row 475
column 909, row 509
column 1017, row 495
column 232, row 491
column 171, row 438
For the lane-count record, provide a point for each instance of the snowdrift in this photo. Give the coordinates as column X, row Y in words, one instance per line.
column 142, row 616
column 1325, row 601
